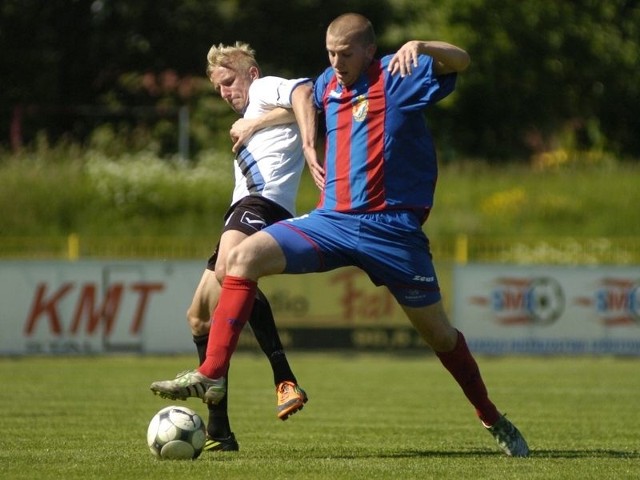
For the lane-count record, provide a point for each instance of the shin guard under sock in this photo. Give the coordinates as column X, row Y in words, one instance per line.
column 230, row 316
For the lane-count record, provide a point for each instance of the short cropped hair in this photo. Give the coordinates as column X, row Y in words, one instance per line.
column 353, row 25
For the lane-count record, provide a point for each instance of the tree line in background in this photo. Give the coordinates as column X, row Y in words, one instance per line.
column 113, row 74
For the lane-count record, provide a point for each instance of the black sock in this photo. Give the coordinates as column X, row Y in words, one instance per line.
column 218, row 423
column 201, row 346
column 264, row 328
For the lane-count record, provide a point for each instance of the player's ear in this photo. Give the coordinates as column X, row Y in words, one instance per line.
column 254, row 73
column 371, row 51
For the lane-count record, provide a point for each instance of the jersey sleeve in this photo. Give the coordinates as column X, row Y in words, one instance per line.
column 423, row 87
column 274, row 91
column 319, row 87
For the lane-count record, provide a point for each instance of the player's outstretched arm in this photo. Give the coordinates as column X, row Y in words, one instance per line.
column 448, row 58
column 243, row 128
column 307, row 118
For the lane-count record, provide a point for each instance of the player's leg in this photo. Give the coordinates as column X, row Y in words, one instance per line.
column 205, row 298
column 256, row 256
column 251, row 214
column 451, row 348
column 395, row 252
column 300, row 245
column 234, row 308
column 310, row 242
column 290, row 397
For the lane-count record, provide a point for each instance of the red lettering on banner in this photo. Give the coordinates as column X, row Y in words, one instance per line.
column 145, row 290
column 513, row 300
column 358, row 303
column 617, row 301
column 351, row 294
column 48, row 307
column 95, row 316
column 88, row 309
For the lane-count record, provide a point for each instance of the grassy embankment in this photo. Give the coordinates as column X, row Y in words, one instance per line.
column 88, row 194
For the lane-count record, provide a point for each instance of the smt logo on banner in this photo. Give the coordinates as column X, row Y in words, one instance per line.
column 616, row 301
column 539, row 309
column 524, row 301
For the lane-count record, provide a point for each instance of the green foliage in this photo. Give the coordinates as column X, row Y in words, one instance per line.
column 145, row 185
column 539, row 68
column 58, row 191
column 43, row 193
column 581, row 194
column 399, row 417
column 132, row 194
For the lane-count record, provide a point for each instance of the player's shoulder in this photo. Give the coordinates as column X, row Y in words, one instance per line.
column 263, row 87
column 273, row 82
column 271, row 79
column 425, row 62
column 266, row 82
column 325, row 78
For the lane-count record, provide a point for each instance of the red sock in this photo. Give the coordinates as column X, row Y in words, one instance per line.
column 230, row 316
column 464, row 369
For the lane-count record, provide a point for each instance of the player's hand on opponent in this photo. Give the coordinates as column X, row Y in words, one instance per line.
column 447, row 57
column 241, row 131
column 405, row 59
column 315, row 168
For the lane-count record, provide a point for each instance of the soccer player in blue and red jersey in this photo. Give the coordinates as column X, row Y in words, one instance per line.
column 377, row 181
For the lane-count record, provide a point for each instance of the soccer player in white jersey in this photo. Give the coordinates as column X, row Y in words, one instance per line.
column 268, row 166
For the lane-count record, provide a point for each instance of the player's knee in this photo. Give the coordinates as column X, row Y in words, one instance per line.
column 220, row 273
column 192, row 319
column 240, row 260
column 197, row 324
column 432, row 323
column 444, row 339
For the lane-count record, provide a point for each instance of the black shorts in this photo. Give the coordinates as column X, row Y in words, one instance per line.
column 249, row 215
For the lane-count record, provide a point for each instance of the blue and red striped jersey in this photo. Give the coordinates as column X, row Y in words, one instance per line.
column 379, row 152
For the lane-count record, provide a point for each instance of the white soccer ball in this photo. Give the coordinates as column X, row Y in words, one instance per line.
column 176, row 433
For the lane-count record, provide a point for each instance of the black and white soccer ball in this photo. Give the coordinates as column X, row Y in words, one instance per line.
column 176, row 433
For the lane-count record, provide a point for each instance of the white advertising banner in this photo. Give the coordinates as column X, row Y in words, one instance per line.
column 505, row 309
column 86, row 307
column 91, row 307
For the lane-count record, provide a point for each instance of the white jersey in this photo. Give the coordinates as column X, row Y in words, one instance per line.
column 270, row 164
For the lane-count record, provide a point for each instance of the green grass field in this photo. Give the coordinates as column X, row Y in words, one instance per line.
column 368, row 417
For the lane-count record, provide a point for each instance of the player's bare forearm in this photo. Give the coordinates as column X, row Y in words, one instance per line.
column 243, row 128
column 448, row 58
column 307, row 118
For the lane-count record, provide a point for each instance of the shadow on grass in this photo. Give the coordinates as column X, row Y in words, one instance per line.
column 565, row 454
column 587, row 453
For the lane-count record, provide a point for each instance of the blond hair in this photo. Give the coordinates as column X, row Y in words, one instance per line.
column 239, row 57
